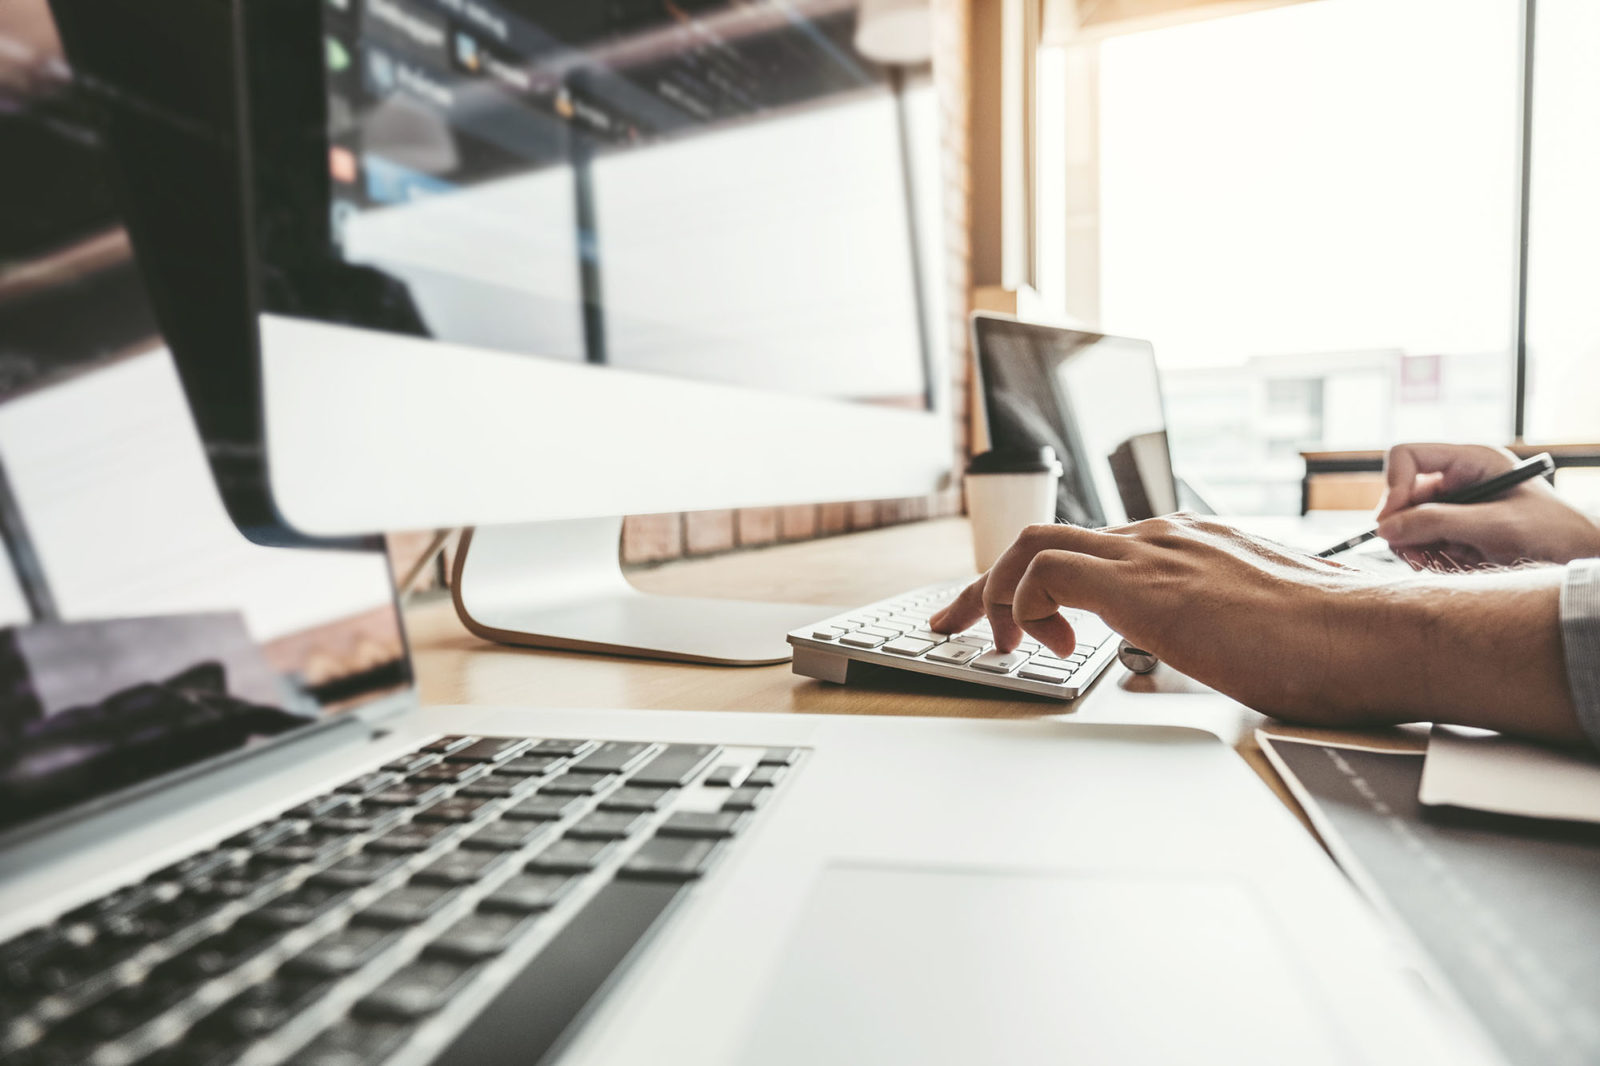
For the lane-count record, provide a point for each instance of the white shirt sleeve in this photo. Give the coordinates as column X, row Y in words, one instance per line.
column 1580, row 640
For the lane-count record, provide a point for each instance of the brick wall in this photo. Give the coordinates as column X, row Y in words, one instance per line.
column 649, row 539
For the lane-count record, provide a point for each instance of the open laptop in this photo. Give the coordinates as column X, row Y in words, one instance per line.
column 231, row 835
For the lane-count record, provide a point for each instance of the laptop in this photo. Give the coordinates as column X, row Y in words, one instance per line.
column 231, row 834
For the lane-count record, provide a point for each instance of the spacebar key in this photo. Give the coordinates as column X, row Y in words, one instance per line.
column 562, row 978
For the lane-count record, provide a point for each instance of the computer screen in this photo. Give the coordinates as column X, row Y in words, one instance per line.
column 717, row 191
column 140, row 633
column 1095, row 399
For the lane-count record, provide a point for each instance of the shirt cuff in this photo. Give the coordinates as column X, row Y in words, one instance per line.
column 1580, row 639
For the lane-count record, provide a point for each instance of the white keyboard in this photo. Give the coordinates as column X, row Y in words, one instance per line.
column 894, row 632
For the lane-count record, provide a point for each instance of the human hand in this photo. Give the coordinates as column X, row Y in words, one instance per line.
column 1257, row 621
column 1527, row 522
column 1301, row 638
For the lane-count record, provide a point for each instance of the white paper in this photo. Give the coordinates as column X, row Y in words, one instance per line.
column 1486, row 771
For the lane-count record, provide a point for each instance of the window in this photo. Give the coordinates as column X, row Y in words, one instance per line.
column 1311, row 211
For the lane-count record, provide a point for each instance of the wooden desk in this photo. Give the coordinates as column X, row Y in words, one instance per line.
column 455, row 667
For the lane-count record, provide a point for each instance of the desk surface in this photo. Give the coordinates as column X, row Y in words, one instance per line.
column 846, row 571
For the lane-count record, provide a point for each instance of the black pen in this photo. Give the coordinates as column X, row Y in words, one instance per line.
column 1540, row 465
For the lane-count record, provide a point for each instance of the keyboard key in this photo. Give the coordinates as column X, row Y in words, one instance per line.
column 630, row 798
column 499, row 786
column 445, row 745
column 505, row 835
column 353, row 1042
column 711, row 824
column 885, row 631
column 529, row 892
column 1050, row 662
column 612, row 757
column 996, row 661
column 725, row 776
column 745, row 799
column 345, row 951
column 561, row 747
column 676, row 765
column 460, row 867
column 454, row 809
column 406, row 764
column 262, row 836
column 258, row 1010
column 908, row 646
column 451, row 773
column 607, row 825
column 765, row 776
column 531, row 765
column 322, row 805
column 827, row 632
column 408, row 794
column 480, row 936
column 670, row 859
column 954, row 652
column 406, row 906
column 300, row 907
column 572, row 856
column 418, row 836
column 490, row 749
column 862, row 639
column 576, row 784
column 543, row 807
column 373, row 782
column 780, row 756
column 417, row 989
column 1039, row 673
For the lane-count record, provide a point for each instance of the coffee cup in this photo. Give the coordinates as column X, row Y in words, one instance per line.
column 1007, row 491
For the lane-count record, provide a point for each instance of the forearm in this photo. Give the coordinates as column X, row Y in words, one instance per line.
column 1480, row 650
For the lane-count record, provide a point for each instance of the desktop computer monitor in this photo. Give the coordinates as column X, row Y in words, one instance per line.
column 530, row 265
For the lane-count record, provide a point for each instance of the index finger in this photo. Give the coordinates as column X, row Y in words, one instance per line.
column 962, row 612
column 1001, row 587
column 1416, row 473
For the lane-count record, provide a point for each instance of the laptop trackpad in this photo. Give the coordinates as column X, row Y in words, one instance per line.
column 894, row 964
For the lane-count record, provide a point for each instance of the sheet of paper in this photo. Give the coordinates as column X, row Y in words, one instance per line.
column 1485, row 771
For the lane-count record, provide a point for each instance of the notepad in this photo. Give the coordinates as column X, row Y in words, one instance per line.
column 1483, row 771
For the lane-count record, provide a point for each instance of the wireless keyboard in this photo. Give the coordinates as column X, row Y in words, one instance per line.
column 894, row 633
column 502, row 877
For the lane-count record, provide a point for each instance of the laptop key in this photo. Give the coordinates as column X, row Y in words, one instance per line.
column 528, row 892
column 506, row 835
column 322, row 805
column 353, row 1042
column 445, row 745
column 454, row 809
column 362, row 868
column 908, row 646
column 571, row 856
column 345, row 951
column 1039, row 673
column 408, row 794
column 630, row 798
column 954, row 653
column 531, row 765
column 417, row 989
column 300, row 907
column 765, row 776
column 480, row 936
column 745, row 799
column 711, row 824
column 418, row 836
column 611, row 757
column 407, row 764
column 578, row 784
column 490, row 749
column 543, row 807
column 861, row 639
column 725, row 776
column 460, row 867
column 407, row 906
column 553, row 746
column 376, row 781
column 607, row 825
column 676, row 765
column 499, row 786
column 670, row 858
column 451, row 773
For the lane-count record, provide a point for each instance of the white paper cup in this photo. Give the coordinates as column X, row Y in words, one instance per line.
column 1006, row 493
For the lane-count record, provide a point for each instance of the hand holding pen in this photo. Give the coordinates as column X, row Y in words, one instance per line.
column 1469, row 505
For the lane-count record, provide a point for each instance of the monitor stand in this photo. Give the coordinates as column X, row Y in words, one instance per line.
column 560, row 585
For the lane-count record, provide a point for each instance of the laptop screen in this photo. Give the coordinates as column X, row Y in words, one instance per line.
column 1096, row 400
column 140, row 633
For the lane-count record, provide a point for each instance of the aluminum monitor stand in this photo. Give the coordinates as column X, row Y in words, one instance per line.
column 560, row 585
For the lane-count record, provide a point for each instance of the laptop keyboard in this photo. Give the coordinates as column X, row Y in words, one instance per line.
column 455, row 881
column 894, row 633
